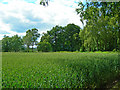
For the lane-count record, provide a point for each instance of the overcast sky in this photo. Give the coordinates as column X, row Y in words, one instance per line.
column 17, row 16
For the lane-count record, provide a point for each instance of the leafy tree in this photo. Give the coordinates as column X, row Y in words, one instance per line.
column 28, row 39
column 13, row 43
column 56, row 35
column 44, row 47
column 100, row 30
column 31, row 38
column 70, row 30
column 35, row 35
column 61, row 38
column 45, row 38
column 77, row 41
column 16, row 43
column 6, row 44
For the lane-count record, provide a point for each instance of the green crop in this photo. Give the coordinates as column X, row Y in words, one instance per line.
column 59, row 70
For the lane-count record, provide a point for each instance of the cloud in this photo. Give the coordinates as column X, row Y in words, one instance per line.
column 17, row 16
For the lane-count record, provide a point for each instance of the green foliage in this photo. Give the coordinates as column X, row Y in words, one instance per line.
column 72, row 37
column 13, row 43
column 16, row 43
column 44, row 47
column 31, row 38
column 101, row 31
column 35, row 36
column 63, row 38
column 28, row 39
column 114, row 50
column 59, row 70
column 6, row 44
column 44, row 2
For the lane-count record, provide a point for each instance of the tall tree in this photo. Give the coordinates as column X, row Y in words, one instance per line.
column 78, row 42
column 70, row 30
column 16, row 43
column 6, row 44
column 98, row 17
column 13, row 43
column 63, row 38
column 55, row 35
column 28, row 39
column 35, row 36
column 31, row 38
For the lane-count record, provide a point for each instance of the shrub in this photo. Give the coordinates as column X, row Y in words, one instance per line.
column 44, row 47
column 114, row 50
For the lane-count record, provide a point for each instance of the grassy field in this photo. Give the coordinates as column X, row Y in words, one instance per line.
column 59, row 70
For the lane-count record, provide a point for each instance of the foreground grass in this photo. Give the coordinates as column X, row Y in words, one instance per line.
column 59, row 70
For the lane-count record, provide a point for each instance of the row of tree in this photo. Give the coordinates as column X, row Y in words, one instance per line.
column 16, row 43
column 58, row 39
column 68, row 38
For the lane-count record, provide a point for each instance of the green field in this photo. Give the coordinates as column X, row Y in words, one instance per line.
column 59, row 70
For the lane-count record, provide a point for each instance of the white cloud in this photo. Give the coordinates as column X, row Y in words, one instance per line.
column 18, row 15
column 4, row 27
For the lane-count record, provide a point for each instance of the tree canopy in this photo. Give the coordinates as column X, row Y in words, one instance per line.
column 63, row 38
column 31, row 38
column 44, row 2
column 102, row 30
column 13, row 43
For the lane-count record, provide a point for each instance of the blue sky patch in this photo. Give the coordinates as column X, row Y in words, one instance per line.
column 30, row 1
column 5, row 2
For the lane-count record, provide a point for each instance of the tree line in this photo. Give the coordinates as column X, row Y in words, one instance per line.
column 100, row 33
column 16, row 43
column 58, row 39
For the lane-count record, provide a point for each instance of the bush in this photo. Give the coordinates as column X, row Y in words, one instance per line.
column 44, row 47
column 114, row 50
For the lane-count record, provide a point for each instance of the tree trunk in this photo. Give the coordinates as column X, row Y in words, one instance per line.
column 55, row 43
column 105, row 47
column 97, row 45
column 119, row 33
column 27, row 48
column 63, row 47
column 89, row 49
column 100, row 47
column 32, row 48
column 116, row 44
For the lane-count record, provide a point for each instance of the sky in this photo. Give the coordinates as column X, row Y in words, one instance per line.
column 17, row 16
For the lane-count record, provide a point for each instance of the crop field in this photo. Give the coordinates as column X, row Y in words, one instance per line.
column 59, row 70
